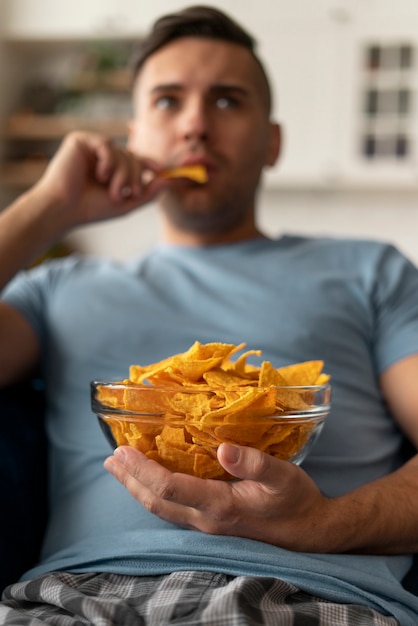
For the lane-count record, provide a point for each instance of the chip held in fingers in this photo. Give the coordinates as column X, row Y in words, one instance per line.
column 179, row 410
column 197, row 173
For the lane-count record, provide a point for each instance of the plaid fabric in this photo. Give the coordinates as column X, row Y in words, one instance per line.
column 181, row 598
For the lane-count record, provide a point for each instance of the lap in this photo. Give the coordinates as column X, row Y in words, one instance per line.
column 181, row 598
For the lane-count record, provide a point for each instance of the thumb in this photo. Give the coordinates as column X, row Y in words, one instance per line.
column 248, row 463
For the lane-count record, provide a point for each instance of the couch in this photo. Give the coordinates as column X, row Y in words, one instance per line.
column 23, row 478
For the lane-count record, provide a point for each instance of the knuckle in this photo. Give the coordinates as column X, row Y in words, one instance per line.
column 221, row 517
column 216, row 525
column 166, row 491
column 151, row 504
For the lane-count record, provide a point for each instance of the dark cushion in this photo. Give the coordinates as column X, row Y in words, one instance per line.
column 410, row 582
column 23, row 478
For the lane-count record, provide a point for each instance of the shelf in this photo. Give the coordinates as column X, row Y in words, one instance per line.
column 63, row 86
column 21, row 174
column 118, row 81
column 54, row 127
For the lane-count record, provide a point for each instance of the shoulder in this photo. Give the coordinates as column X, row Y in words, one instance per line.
column 49, row 275
column 334, row 243
column 372, row 252
column 72, row 265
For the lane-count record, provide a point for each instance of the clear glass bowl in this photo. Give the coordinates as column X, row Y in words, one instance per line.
column 182, row 427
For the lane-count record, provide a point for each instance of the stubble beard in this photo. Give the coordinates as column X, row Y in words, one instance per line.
column 204, row 218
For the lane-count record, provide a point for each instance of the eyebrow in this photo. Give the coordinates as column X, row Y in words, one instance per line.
column 217, row 89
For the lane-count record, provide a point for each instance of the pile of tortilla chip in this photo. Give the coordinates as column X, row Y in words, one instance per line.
column 180, row 409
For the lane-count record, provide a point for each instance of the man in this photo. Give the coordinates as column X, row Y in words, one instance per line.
column 326, row 544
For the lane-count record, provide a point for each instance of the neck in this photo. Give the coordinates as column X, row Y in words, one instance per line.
column 172, row 235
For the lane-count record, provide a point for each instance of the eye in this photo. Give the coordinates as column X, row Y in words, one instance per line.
column 226, row 102
column 165, row 102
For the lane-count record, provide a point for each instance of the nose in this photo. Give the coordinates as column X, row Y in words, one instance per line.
column 194, row 123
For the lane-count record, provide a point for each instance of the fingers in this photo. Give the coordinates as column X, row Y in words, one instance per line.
column 144, row 477
column 210, row 506
column 125, row 175
column 249, row 463
column 160, row 491
column 121, row 171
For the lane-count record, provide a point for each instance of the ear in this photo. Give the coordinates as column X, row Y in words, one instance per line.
column 275, row 143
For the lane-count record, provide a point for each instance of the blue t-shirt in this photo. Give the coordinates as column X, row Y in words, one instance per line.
column 353, row 304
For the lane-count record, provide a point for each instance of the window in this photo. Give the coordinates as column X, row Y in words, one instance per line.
column 387, row 101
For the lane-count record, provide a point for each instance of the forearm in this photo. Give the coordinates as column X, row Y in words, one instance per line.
column 27, row 228
column 378, row 518
column 86, row 181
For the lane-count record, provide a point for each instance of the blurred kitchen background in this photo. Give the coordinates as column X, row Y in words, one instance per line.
column 345, row 75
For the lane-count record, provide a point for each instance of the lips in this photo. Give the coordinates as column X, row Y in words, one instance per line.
column 203, row 161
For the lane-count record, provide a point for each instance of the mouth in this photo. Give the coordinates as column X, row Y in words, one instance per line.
column 201, row 160
column 196, row 173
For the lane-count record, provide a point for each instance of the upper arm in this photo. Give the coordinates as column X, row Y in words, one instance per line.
column 19, row 345
column 399, row 385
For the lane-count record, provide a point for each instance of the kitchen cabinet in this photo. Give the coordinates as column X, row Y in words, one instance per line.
column 71, row 85
column 377, row 126
column 348, row 124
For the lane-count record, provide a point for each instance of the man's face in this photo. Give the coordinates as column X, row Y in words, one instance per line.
column 204, row 101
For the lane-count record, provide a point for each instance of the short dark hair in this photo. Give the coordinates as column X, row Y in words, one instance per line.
column 196, row 21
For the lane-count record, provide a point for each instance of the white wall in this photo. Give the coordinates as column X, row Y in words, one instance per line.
column 392, row 216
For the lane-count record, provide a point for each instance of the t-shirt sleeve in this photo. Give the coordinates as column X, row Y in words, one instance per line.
column 31, row 291
column 26, row 294
column 395, row 301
